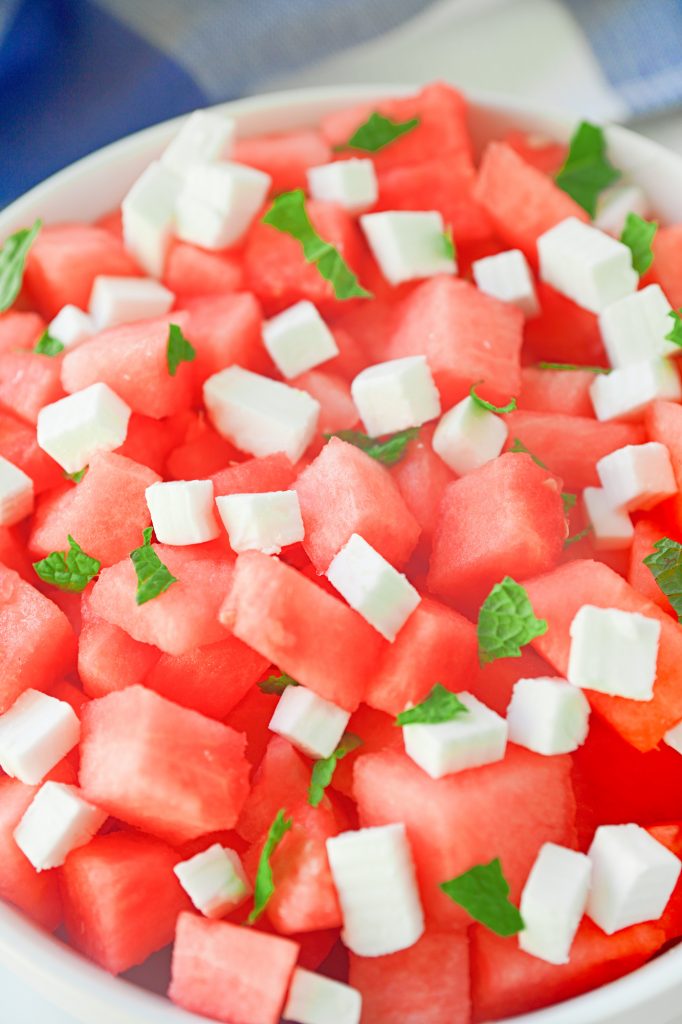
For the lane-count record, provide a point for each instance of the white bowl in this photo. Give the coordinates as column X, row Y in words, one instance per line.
column 92, row 187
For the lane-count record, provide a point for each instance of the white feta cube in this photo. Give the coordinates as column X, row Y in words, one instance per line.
column 468, row 741
column 71, row 326
column 349, row 183
column 508, row 277
column 395, row 395
column 57, row 821
column 586, row 265
column 217, row 203
column 261, row 416
column 633, row 877
column 314, row 999
column 373, row 587
column 264, row 522
column 612, row 528
column 553, row 903
column 311, row 723
column 16, row 493
column 148, row 214
column 182, row 511
column 88, row 421
column 548, row 716
column 374, row 877
column 614, row 204
column 298, row 339
column 637, row 476
column 123, row 300
column 35, row 734
column 626, row 392
column 673, row 737
column 204, row 136
column 214, row 880
column 468, row 436
column 614, row 652
column 408, row 244
column 634, row 329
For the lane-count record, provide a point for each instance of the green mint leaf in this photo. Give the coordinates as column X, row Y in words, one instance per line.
column 153, row 578
column 519, row 447
column 265, row 885
column 638, row 234
column 179, row 349
column 47, row 345
column 77, row 476
column 323, row 770
column 665, row 564
column 483, row 891
column 69, row 570
column 12, row 262
column 277, row 684
column 387, row 451
column 587, row 171
column 288, row 214
column 377, row 132
column 506, row 622
column 578, row 537
column 572, row 366
column 483, row 404
column 569, row 501
column 449, row 246
column 440, row 706
column 675, row 335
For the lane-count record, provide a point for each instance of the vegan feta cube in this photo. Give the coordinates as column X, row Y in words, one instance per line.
column 625, row 393
column 637, row 476
column 349, row 183
column 182, row 511
column 72, row 429
column 311, row 723
column 408, row 244
column 507, row 276
column 58, row 820
column 123, row 300
column 373, row 587
column 395, row 395
column 633, row 329
column 204, row 136
column 35, row 734
column 548, row 716
column 16, row 493
column 586, row 265
column 374, row 876
column 614, row 652
column 612, row 528
column 633, row 877
column 315, row 999
column 468, row 436
column 298, row 339
column 553, row 903
column 214, row 880
column 71, row 326
column 474, row 738
column 148, row 214
column 217, row 203
column 615, row 203
column 261, row 416
column 265, row 522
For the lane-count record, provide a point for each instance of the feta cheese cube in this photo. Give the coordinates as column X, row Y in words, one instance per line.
column 637, row 476
column 88, row 421
column 633, row 329
column 507, row 276
column 382, row 595
column 261, row 416
column 472, row 739
column 217, row 203
column 614, row 652
column 182, row 511
column 314, row 999
column 71, row 326
column 673, row 737
column 614, row 204
column 553, row 903
column 468, row 436
column 123, row 300
column 204, row 136
column 633, row 877
column 264, row 522
column 395, row 395
column 16, row 493
column 548, row 715
column 57, row 821
column 298, row 339
column 374, row 877
column 624, row 393
column 35, row 734
column 408, row 244
column 311, row 723
column 214, row 880
column 612, row 528
column 350, row 183
column 586, row 265
column 148, row 213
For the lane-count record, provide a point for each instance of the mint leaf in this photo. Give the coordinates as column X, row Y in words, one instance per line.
column 569, row 501
column 572, row 366
column 578, row 536
column 323, row 770
column 440, row 706
column 638, row 234
column 265, row 886
column 69, row 570
column 519, row 447
column 288, row 214
column 179, row 349
column 377, row 132
column 449, row 244
column 153, row 578
column 587, row 171
column 506, row 622
column 277, row 684
column 388, row 452
column 47, row 345
column 665, row 564
column 483, row 891
column 77, row 476
column 675, row 334
column 483, row 404
column 13, row 261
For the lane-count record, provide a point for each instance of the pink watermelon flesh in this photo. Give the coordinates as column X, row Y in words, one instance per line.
column 422, row 477
column 19, row 330
column 18, row 444
column 556, row 391
column 226, row 330
column 108, row 658
column 286, row 158
column 29, row 381
column 280, row 781
column 255, row 476
column 191, row 271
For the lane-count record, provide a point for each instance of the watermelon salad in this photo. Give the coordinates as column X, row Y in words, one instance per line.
column 341, row 571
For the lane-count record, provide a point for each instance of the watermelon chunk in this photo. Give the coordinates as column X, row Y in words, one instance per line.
column 538, row 150
column 666, row 268
column 108, row 658
column 281, row 780
column 286, row 158
column 191, row 271
column 162, row 768
column 255, row 476
column 563, row 332
column 18, row 444
column 422, row 477
column 670, row 835
column 556, row 391
column 640, row 576
column 201, row 455
column 337, row 409
column 226, row 330
column 377, row 730
column 149, row 441
column 13, row 553
column 19, row 330
column 663, row 422
column 251, row 717
column 493, row 683
column 28, row 382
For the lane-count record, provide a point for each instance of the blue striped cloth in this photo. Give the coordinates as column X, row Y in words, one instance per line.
column 76, row 74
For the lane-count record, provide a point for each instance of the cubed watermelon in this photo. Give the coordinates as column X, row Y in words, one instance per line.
column 281, row 781
column 337, row 409
column 226, row 330
column 19, row 330
column 663, row 422
column 371, row 324
column 378, row 731
column 670, row 835
column 13, row 553
column 254, row 476
column 647, row 534
column 205, row 453
column 108, row 658
column 422, row 477
column 666, row 268
column 149, row 441
column 191, row 271
column 286, row 158
column 493, row 683
column 29, row 381
column 556, row 391
column 539, row 150
column 18, row 444
column 251, row 717
column 563, row 332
